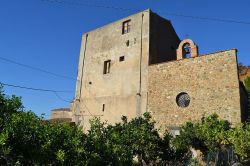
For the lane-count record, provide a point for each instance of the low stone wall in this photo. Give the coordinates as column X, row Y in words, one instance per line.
column 61, row 114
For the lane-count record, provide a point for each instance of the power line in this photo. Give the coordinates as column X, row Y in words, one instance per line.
column 106, row 110
column 36, row 68
column 59, row 97
column 39, row 89
column 88, row 110
column 35, row 89
column 207, row 18
column 133, row 10
column 89, row 5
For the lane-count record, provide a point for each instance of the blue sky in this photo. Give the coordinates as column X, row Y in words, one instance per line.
column 47, row 35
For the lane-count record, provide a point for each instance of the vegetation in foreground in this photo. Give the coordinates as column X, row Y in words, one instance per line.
column 26, row 139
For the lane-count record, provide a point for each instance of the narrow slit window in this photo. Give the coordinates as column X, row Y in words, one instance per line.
column 103, row 107
column 126, row 26
column 127, row 43
column 106, row 68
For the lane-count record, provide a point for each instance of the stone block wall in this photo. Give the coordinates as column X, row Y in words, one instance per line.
column 211, row 81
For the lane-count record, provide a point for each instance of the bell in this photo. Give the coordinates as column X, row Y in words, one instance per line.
column 187, row 50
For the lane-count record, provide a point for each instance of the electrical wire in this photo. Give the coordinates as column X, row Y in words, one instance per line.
column 41, row 90
column 88, row 110
column 46, row 90
column 35, row 89
column 110, row 112
column 37, row 69
column 88, row 5
column 207, row 18
column 65, row 100
column 133, row 10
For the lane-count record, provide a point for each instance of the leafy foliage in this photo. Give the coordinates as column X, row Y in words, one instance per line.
column 26, row 139
column 118, row 144
column 240, row 140
column 247, row 84
column 8, row 106
column 29, row 140
column 208, row 135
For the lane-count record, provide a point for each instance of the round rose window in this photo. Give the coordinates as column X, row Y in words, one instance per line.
column 182, row 99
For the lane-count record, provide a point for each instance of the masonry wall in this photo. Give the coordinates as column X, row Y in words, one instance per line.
column 123, row 90
column 211, row 82
column 61, row 114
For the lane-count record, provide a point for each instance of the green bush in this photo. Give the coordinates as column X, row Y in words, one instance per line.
column 26, row 139
column 247, row 84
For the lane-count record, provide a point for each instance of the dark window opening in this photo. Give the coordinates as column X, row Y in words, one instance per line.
column 126, row 27
column 122, row 58
column 183, row 99
column 90, row 82
column 187, row 50
column 103, row 107
column 106, row 68
column 127, row 43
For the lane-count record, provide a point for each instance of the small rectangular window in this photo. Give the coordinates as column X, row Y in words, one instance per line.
column 126, row 26
column 106, row 68
column 122, row 58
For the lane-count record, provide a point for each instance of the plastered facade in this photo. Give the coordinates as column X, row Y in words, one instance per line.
column 122, row 91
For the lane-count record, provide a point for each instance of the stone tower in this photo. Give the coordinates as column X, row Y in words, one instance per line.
column 113, row 66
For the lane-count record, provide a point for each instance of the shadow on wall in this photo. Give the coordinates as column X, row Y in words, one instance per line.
column 163, row 40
